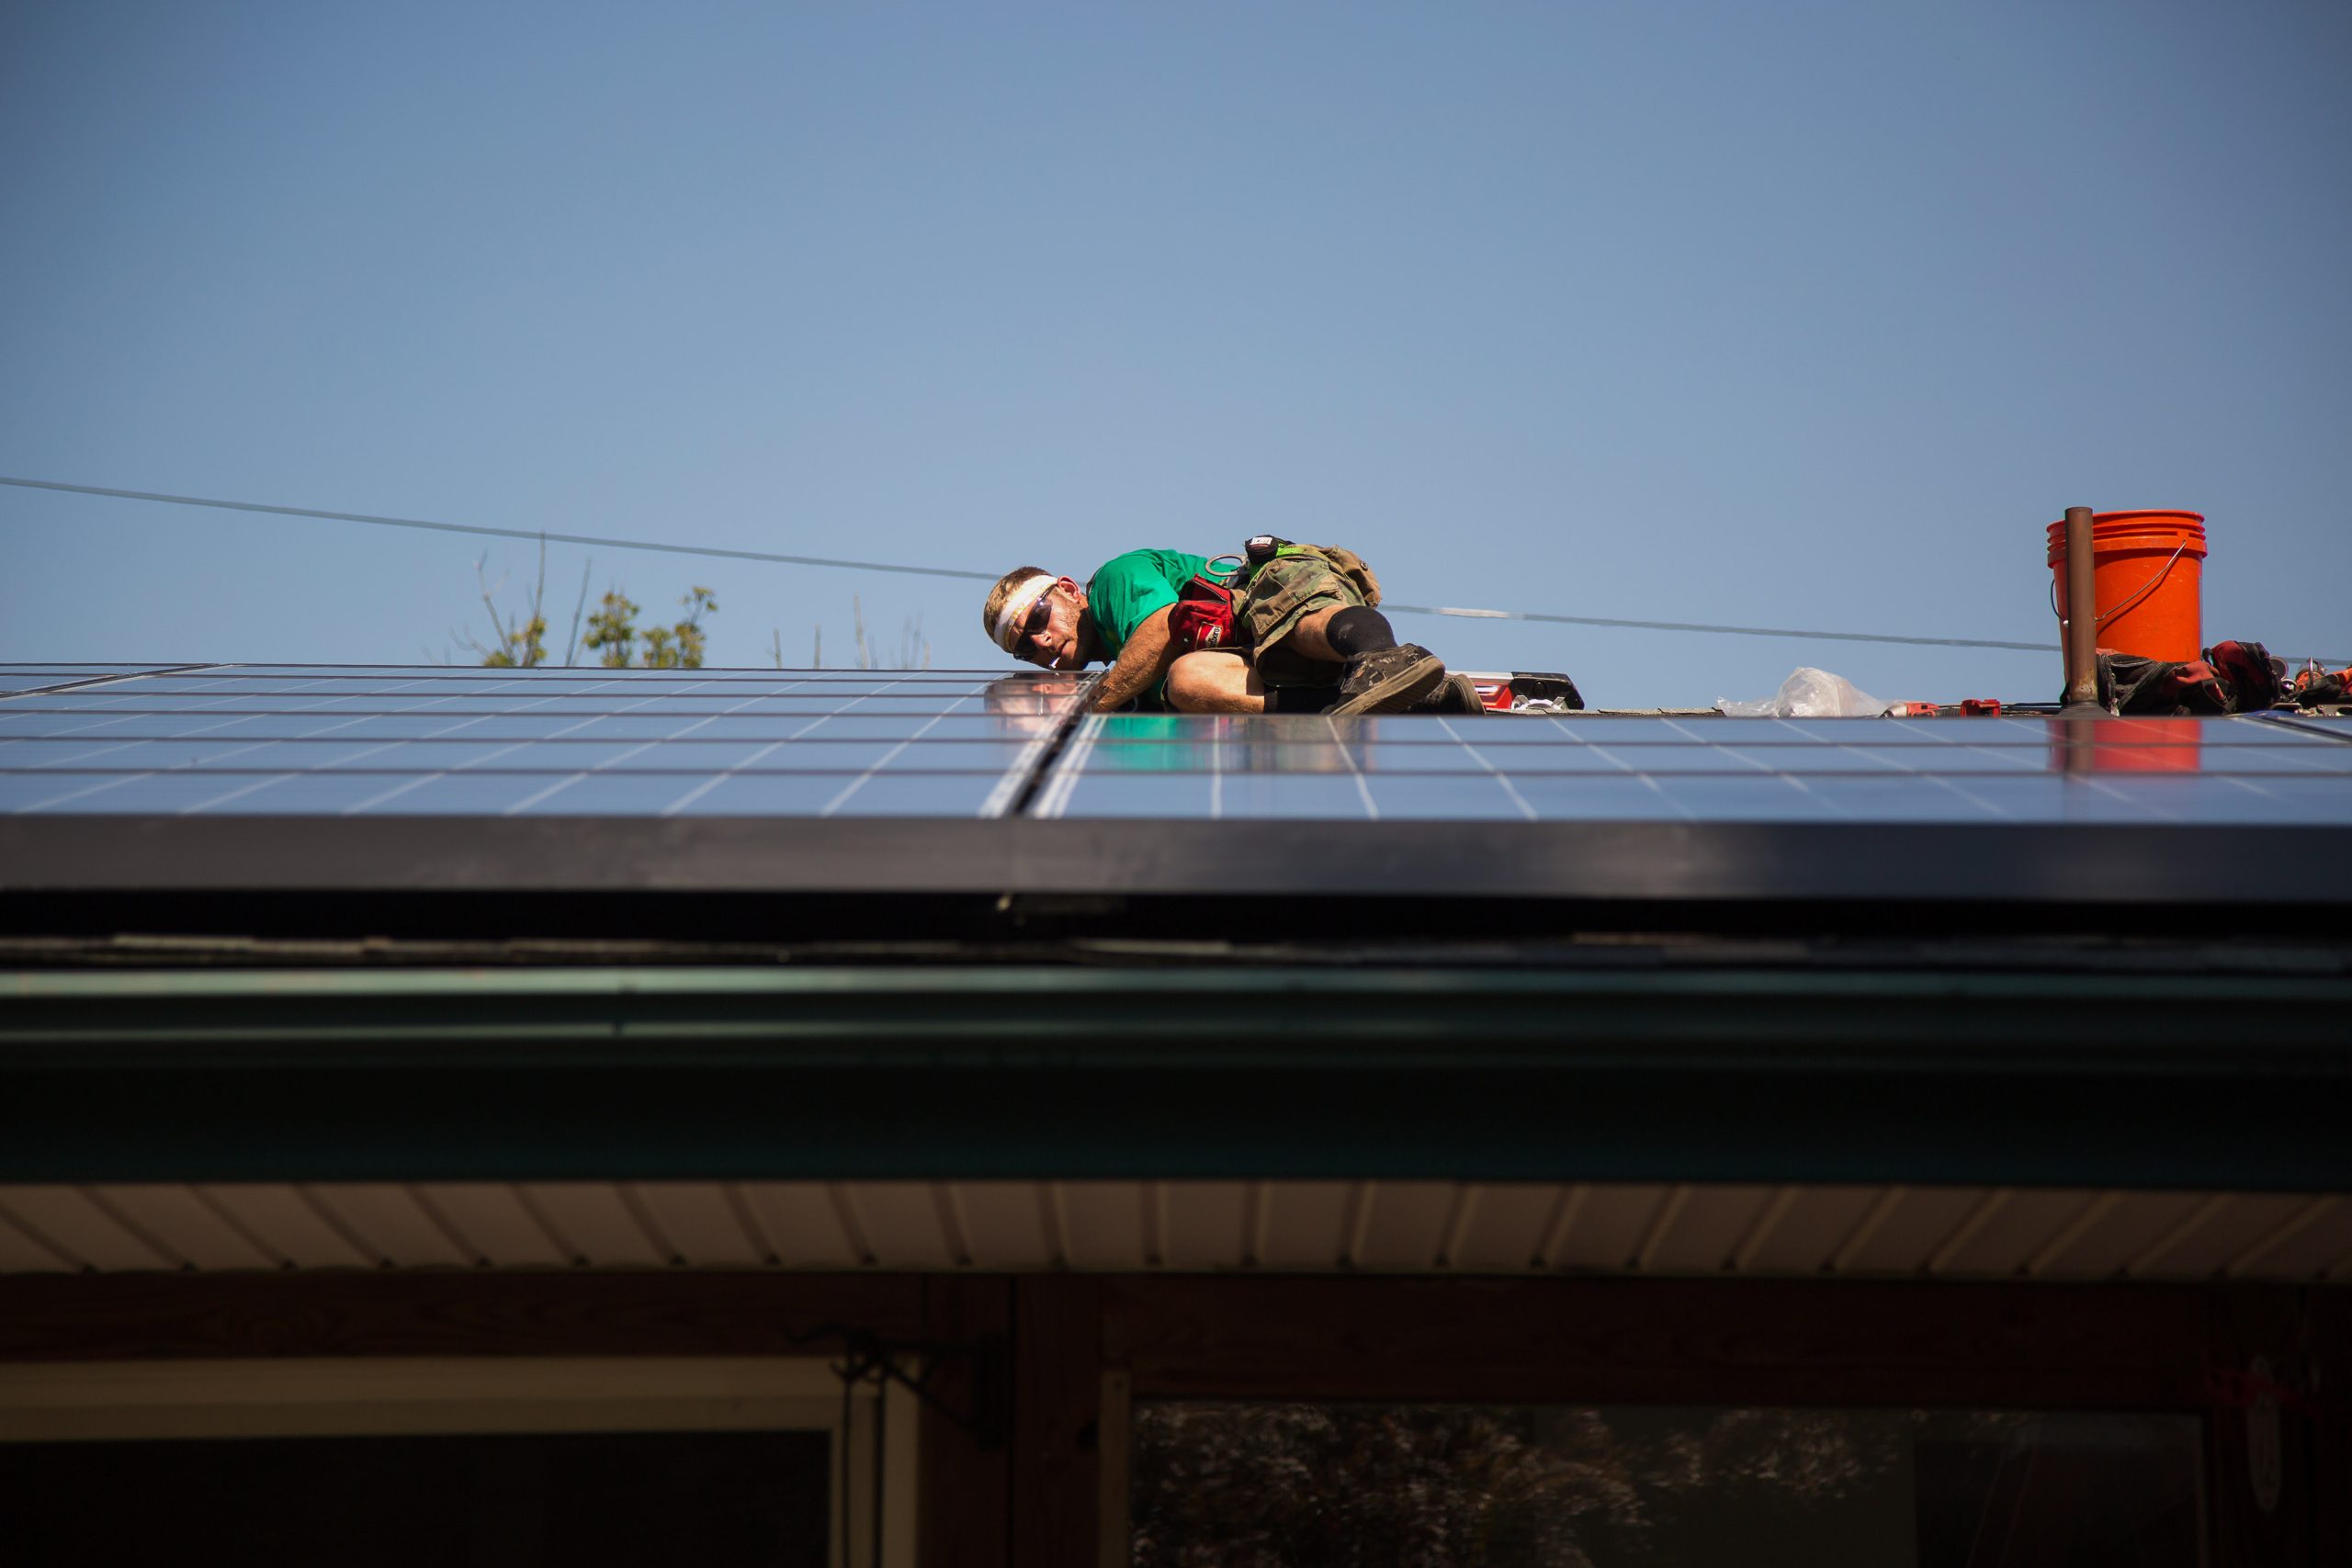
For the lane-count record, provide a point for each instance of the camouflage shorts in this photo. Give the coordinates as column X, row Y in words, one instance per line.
column 1288, row 590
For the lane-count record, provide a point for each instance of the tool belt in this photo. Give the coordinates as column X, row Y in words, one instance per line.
column 1209, row 607
column 1266, row 548
column 2232, row 677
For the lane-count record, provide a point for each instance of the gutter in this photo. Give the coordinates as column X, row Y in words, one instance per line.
column 2240, row 1082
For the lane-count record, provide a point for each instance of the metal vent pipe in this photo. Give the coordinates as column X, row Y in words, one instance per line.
column 2080, row 648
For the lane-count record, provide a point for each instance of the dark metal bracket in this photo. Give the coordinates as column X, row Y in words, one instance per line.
column 868, row 1356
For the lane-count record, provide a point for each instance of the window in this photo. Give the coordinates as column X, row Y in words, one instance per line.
column 1378, row 1485
column 715, row 1461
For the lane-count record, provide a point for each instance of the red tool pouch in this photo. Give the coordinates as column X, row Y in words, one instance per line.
column 2255, row 679
column 1202, row 617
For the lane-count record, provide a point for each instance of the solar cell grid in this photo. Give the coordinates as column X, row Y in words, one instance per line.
column 512, row 726
column 503, row 793
column 1516, row 730
column 2337, row 727
column 374, row 740
column 2247, row 730
column 692, row 754
column 20, row 678
column 2030, row 769
column 631, row 684
column 459, row 674
column 1703, row 797
column 690, row 706
column 1303, row 748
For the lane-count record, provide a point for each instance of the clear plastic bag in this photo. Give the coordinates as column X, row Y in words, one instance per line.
column 1808, row 694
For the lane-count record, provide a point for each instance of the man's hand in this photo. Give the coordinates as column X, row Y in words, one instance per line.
column 1141, row 665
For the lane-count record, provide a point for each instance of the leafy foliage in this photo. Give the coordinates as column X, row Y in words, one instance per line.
column 519, row 641
column 520, row 646
column 614, row 634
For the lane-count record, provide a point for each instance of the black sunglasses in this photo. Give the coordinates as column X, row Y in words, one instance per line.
column 1040, row 616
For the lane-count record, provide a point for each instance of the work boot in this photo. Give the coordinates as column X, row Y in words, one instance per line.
column 1455, row 695
column 1388, row 680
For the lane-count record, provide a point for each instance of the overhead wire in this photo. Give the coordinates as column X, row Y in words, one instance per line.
column 548, row 533
column 837, row 563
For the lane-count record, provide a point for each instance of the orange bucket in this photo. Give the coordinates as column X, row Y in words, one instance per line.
column 2148, row 571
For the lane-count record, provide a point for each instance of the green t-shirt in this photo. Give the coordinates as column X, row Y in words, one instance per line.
column 1127, row 589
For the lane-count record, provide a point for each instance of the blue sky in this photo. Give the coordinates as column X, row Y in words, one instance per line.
column 1809, row 315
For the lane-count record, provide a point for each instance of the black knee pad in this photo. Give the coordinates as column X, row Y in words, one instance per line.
column 1358, row 628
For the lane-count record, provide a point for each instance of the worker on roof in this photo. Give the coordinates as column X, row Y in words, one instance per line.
column 1294, row 629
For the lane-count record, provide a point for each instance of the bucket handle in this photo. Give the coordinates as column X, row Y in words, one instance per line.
column 2140, row 592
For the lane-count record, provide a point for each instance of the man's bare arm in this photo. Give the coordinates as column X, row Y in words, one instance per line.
column 1142, row 664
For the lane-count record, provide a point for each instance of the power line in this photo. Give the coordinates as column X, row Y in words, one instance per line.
column 1721, row 631
column 504, row 532
column 781, row 559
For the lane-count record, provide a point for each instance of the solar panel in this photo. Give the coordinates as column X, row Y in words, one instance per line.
column 983, row 782
column 15, row 678
column 2337, row 725
column 286, row 741
column 1727, row 770
column 372, row 740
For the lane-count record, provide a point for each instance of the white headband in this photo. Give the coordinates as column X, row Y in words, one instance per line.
column 1017, row 605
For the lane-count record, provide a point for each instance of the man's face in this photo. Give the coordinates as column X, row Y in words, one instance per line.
column 1054, row 646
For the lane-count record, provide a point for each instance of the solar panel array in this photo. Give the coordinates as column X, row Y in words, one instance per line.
column 370, row 741
column 1708, row 769
column 17, row 678
column 306, row 740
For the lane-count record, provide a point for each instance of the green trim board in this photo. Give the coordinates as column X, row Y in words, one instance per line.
column 1035, row 1072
